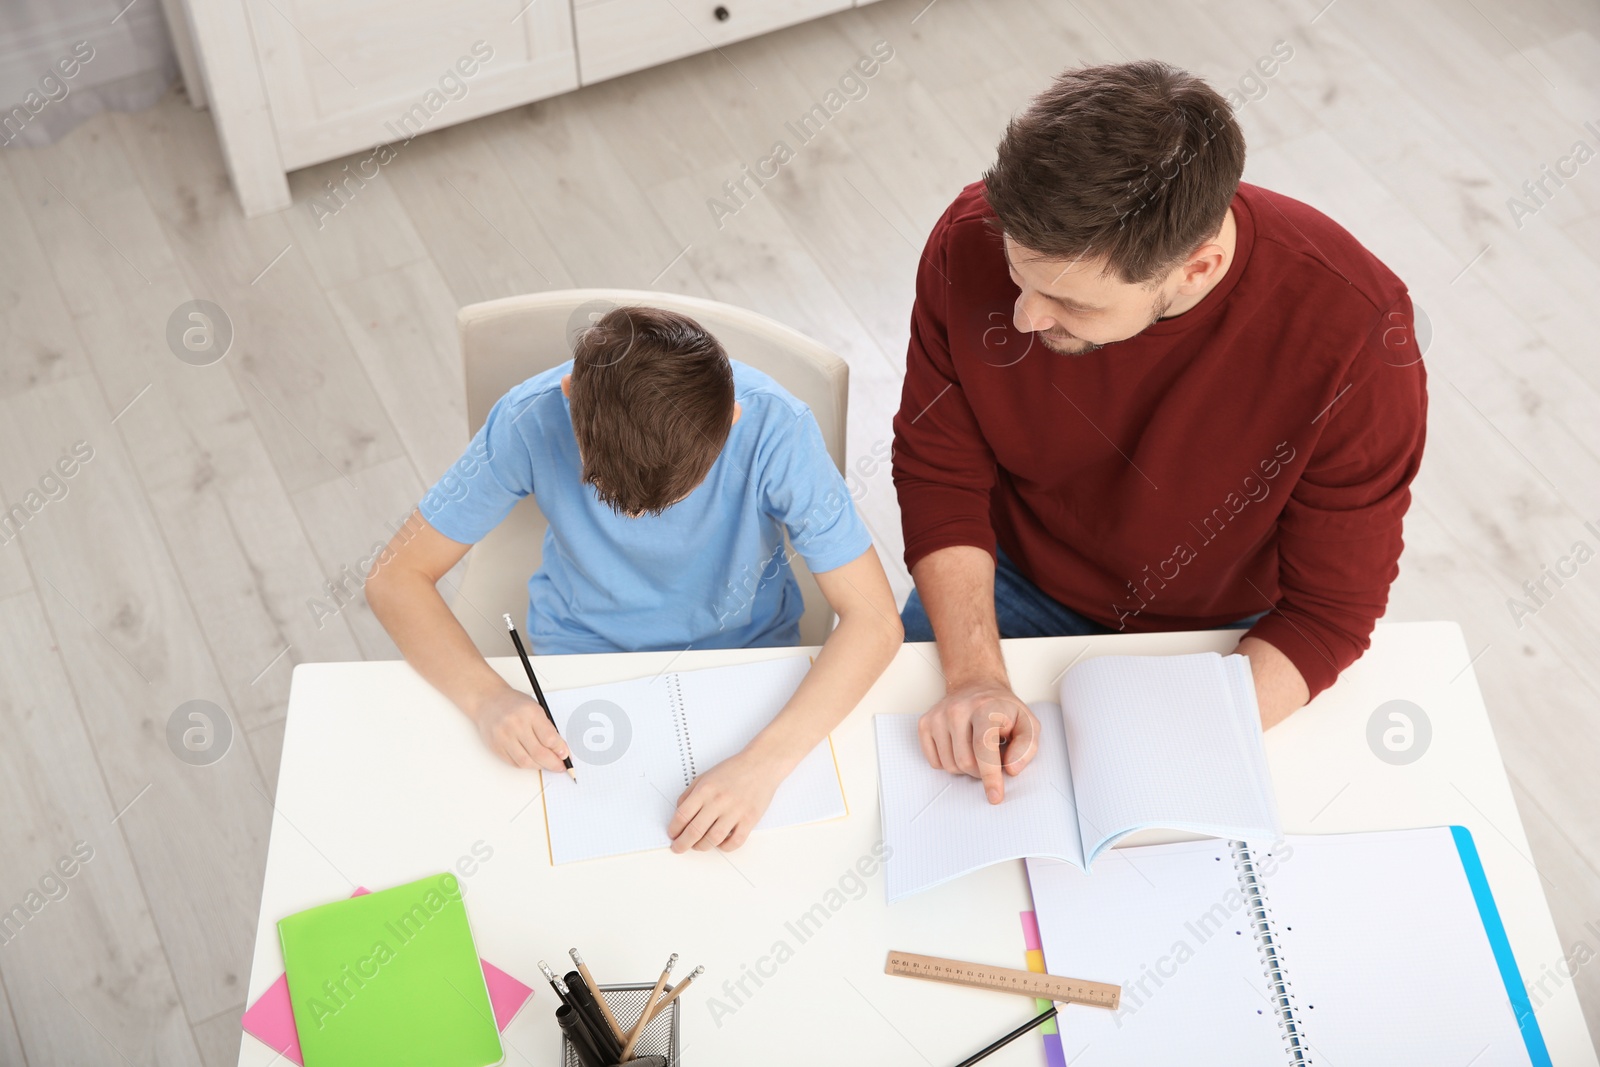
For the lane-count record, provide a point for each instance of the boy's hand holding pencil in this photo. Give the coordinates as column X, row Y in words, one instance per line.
column 515, row 727
column 511, row 733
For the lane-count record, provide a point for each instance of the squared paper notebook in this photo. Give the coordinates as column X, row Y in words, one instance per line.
column 1373, row 948
column 1136, row 742
column 390, row 977
column 638, row 745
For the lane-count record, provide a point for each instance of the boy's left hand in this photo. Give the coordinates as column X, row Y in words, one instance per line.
column 723, row 805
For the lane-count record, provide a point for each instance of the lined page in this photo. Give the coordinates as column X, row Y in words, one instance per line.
column 625, row 752
column 940, row 825
column 1423, row 986
column 1166, row 741
column 727, row 706
column 1166, row 922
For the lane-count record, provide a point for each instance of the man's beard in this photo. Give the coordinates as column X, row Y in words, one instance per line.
column 1065, row 344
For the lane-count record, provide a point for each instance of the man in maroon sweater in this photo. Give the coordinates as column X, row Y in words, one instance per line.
column 1141, row 395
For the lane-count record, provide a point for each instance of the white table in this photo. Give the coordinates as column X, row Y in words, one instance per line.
column 383, row 781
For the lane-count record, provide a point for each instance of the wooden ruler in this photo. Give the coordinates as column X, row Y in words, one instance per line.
column 1004, row 979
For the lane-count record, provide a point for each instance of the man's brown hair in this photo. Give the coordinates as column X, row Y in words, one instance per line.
column 652, row 403
column 1134, row 164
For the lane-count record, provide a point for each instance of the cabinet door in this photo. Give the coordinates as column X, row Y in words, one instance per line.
column 344, row 75
column 618, row 36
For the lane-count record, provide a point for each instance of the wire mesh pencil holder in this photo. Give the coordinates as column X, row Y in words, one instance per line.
column 660, row 1035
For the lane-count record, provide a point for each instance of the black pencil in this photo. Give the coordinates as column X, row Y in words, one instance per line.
column 1038, row 1020
column 538, row 694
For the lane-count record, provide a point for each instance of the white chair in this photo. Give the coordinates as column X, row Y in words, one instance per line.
column 504, row 342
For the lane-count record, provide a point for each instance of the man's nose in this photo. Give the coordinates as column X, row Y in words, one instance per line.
column 1029, row 317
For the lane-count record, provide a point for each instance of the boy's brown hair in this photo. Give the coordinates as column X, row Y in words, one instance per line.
column 1131, row 163
column 652, row 403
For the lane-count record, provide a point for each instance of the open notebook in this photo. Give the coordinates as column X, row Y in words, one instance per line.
column 1374, row 948
column 636, row 746
column 1136, row 742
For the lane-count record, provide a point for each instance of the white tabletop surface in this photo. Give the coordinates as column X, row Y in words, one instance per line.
column 383, row 782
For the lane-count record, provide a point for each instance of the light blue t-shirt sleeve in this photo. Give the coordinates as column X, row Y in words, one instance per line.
column 480, row 489
column 802, row 489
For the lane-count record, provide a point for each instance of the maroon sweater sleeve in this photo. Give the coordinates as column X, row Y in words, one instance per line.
column 1339, row 535
column 943, row 467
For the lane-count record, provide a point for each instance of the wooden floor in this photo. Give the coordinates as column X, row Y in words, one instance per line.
column 179, row 562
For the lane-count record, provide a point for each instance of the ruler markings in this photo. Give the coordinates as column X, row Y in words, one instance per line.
column 1003, row 979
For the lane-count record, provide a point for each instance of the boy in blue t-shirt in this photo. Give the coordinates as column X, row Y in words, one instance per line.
column 669, row 475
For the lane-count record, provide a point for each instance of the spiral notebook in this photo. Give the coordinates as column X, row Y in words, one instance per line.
column 1372, row 948
column 1136, row 742
column 636, row 746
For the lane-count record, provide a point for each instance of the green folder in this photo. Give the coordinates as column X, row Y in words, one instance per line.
column 390, row 978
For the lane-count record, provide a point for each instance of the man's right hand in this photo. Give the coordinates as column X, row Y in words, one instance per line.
column 516, row 728
column 981, row 730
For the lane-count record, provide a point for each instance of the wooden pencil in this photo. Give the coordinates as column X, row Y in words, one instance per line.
column 644, row 1013
column 673, row 994
column 600, row 999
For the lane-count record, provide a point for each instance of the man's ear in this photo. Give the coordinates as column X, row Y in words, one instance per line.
column 1202, row 265
column 738, row 409
column 566, row 387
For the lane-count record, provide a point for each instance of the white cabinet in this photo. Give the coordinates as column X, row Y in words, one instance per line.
column 352, row 74
column 296, row 82
column 619, row 36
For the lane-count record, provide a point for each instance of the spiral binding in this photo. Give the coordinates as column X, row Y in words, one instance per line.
column 1283, row 1003
column 680, row 725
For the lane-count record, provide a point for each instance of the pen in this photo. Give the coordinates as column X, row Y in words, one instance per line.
column 571, row 1022
column 599, row 998
column 576, row 1022
column 580, row 997
column 1038, row 1020
column 538, row 693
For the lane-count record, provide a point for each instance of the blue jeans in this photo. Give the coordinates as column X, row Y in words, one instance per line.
column 1023, row 610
